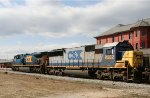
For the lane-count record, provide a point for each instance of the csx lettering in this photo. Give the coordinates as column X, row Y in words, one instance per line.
column 74, row 55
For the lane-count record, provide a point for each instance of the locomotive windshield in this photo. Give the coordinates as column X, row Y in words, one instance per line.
column 17, row 57
column 124, row 46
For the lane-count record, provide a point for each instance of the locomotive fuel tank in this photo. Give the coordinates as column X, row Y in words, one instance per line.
column 80, row 73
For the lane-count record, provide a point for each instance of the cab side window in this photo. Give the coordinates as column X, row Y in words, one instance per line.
column 109, row 51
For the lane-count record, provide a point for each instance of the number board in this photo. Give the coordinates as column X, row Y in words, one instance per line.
column 110, row 57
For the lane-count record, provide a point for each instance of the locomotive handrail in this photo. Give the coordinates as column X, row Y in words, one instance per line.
column 87, row 63
column 98, row 63
column 82, row 63
column 93, row 63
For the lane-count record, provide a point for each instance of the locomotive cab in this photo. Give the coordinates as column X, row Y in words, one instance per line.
column 117, row 57
column 19, row 59
column 113, row 54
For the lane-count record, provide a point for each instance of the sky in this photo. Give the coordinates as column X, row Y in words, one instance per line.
column 28, row 26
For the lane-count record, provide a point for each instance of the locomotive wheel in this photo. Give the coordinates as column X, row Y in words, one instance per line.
column 42, row 69
column 39, row 70
column 124, row 78
column 61, row 73
column 56, row 73
column 92, row 73
column 51, row 72
column 111, row 77
column 99, row 76
column 14, row 68
column 34, row 69
column 17, row 68
column 31, row 69
column 48, row 71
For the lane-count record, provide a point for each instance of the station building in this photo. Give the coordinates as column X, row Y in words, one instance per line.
column 138, row 34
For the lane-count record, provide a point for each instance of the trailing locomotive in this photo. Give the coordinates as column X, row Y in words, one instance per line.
column 113, row 61
column 34, row 62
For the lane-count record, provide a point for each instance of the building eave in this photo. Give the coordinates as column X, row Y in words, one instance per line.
column 124, row 28
column 113, row 33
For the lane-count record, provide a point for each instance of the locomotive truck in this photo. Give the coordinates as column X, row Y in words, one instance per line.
column 113, row 61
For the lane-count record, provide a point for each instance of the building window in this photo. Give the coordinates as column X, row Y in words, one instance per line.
column 143, row 44
column 136, row 33
column 113, row 38
column 130, row 35
column 136, row 45
column 143, row 33
column 106, row 40
column 122, row 37
column 100, row 41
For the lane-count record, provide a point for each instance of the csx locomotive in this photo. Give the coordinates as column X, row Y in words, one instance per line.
column 113, row 61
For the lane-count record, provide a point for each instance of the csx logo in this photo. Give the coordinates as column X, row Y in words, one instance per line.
column 29, row 59
column 74, row 55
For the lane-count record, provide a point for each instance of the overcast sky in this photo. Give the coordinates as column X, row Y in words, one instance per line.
column 42, row 25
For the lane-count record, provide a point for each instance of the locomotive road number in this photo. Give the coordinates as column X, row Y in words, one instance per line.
column 109, row 57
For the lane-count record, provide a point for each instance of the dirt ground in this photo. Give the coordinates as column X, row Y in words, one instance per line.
column 24, row 86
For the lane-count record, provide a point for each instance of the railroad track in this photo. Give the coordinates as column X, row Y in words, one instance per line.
column 106, row 83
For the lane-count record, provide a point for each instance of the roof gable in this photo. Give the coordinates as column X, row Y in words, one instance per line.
column 121, row 28
column 141, row 23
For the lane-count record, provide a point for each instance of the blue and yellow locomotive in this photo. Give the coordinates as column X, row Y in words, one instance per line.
column 34, row 62
column 114, row 61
